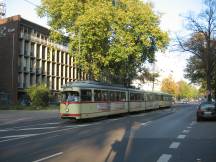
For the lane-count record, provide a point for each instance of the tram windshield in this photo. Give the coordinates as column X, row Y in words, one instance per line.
column 70, row 96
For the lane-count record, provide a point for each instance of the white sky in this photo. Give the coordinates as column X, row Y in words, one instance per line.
column 168, row 63
column 174, row 63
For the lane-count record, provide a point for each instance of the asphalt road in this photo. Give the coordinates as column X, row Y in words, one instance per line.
column 169, row 135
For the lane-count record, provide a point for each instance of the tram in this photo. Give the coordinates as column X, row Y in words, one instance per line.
column 90, row 99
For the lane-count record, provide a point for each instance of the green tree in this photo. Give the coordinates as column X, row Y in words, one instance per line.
column 195, row 72
column 39, row 95
column 169, row 85
column 110, row 39
column 186, row 91
column 201, row 41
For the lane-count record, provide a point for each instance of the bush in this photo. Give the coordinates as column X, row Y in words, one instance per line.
column 39, row 95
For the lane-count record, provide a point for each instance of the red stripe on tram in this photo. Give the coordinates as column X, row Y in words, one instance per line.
column 70, row 115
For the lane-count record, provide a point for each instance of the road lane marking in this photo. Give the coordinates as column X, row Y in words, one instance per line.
column 48, row 157
column 27, row 126
column 181, row 136
column 14, row 121
column 189, row 127
column 4, row 130
column 164, row 158
column 19, row 136
column 146, row 123
column 192, row 123
column 28, row 135
column 24, row 129
column 185, row 131
column 174, row 145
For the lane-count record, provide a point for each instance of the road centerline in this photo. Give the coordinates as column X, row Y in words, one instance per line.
column 174, row 145
column 164, row 158
column 181, row 136
column 185, row 131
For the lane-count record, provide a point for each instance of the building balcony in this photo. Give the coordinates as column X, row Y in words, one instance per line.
column 38, row 71
column 19, row 68
column 43, row 72
column 25, row 69
column 32, row 54
column 31, row 70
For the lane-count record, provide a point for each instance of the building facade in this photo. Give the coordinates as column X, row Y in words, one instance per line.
column 29, row 57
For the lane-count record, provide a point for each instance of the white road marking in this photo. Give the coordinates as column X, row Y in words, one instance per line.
column 24, row 129
column 192, row 123
column 181, row 136
column 14, row 121
column 19, row 136
column 174, row 145
column 146, row 123
column 11, row 139
column 199, row 160
column 27, row 126
column 185, row 131
column 4, row 130
column 189, row 127
column 28, row 135
column 48, row 157
column 164, row 158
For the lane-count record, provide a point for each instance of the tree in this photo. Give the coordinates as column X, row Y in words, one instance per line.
column 186, row 91
column 110, row 39
column 39, row 95
column 195, row 72
column 202, row 41
column 144, row 75
column 169, row 86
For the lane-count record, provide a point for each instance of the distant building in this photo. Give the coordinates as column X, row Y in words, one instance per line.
column 27, row 57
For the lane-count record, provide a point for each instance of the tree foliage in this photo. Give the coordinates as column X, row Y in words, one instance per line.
column 39, row 95
column 181, row 89
column 202, row 42
column 169, row 85
column 186, row 91
column 195, row 72
column 109, row 39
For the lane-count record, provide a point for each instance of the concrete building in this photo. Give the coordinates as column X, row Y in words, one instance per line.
column 28, row 57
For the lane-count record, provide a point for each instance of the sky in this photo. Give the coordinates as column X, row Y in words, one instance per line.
column 168, row 63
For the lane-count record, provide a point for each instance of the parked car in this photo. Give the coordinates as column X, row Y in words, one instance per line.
column 206, row 110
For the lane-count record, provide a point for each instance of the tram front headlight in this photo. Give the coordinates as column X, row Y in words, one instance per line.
column 67, row 110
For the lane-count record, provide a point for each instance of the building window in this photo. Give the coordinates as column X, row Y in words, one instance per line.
column 43, row 52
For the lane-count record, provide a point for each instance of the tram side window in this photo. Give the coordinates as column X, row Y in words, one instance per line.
column 104, row 95
column 123, row 96
column 161, row 98
column 148, row 97
column 86, row 95
column 97, row 95
column 113, row 96
column 132, row 97
column 135, row 96
column 145, row 97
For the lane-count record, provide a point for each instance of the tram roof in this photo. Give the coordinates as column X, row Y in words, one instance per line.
column 101, row 85
column 93, row 84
